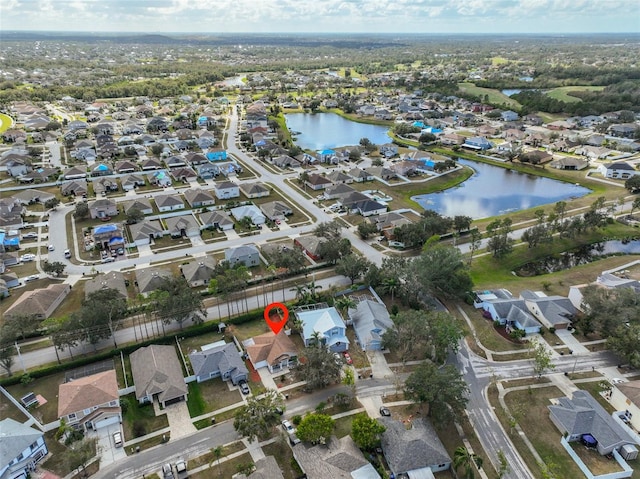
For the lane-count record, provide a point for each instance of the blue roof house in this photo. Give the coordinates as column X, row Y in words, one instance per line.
column 217, row 155
column 325, row 323
column 478, row 143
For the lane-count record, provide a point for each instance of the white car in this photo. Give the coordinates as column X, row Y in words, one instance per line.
column 27, row 257
column 51, row 247
column 32, row 277
column 31, row 235
column 288, row 427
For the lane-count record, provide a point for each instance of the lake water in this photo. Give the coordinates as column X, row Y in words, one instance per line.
column 321, row 131
column 511, row 91
column 493, row 191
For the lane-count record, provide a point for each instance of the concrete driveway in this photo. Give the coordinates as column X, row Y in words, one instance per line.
column 108, row 452
column 179, row 420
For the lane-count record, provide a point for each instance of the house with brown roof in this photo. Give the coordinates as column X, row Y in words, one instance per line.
column 185, row 225
column 199, row 198
column 273, row 351
column 157, row 375
column 91, row 402
column 74, row 188
column 141, row 204
column 317, row 182
column 254, row 190
column 40, row 302
column 310, row 245
column 169, row 202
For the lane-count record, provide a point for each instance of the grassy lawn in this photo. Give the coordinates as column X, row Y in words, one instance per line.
column 563, row 93
column 57, row 462
column 495, row 96
column 8, row 410
column 72, row 302
column 283, row 454
column 47, row 387
column 208, row 457
column 224, row 469
column 148, row 443
column 143, row 415
column 533, row 417
column 343, row 425
column 487, row 334
column 210, row 396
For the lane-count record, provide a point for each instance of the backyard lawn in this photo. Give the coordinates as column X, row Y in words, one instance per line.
column 47, row 387
column 209, row 396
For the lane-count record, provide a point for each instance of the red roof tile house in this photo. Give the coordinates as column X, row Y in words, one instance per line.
column 91, row 402
column 273, row 351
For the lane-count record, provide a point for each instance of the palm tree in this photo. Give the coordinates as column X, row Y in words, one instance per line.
column 300, row 291
column 217, row 454
column 343, row 304
column 462, row 457
column 390, row 286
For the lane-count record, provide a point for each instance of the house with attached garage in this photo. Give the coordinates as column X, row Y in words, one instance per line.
column 552, row 311
column 144, row 232
column 22, row 447
column 103, row 208
column 414, row 450
column 91, row 402
column 273, row 351
column 207, row 171
column 625, row 397
column 141, row 204
column 310, row 245
column 111, row 280
column 370, row 320
column 74, row 188
column 169, row 202
column 216, row 219
column 159, row 178
column 276, row 210
column 360, row 176
column 157, row 375
column 324, row 323
column 317, row 182
column 179, row 226
column 200, row 271
column 249, row 211
column 254, row 190
column 198, row 198
column 126, row 166
column 219, row 360
column 502, row 307
column 246, row 254
column 185, row 174
column 40, row 303
column 225, row 190
column 618, row 171
column 149, row 280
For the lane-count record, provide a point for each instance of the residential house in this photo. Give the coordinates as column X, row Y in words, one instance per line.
column 225, row 190
column 151, row 164
column 414, row 450
column 11, row 210
column 195, row 159
column 323, row 323
column 21, row 448
column 254, row 190
column 169, row 202
column 381, row 172
column 310, row 245
column 41, row 302
column 107, row 236
column 199, row 198
column 151, row 279
column 625, row 130
column 219, row 360
column 452, row 139
column 388, row 150
column 75, row 173
column 91, row 402
column 317, row 182
column 569, row 163
column 337, row 459
column 509, row 116
column 276, row 210
column 16, row 167
column 339, row 191
column 581, row 415
column 101, row 170
column 126, row 166
column 625, row 397
column 477, row 143
column 338, row 177
column 102, row 186
column 216, row 219
column 103, row 208
column 217, row 154
column 360, row 176
column 536, row 157
column 207, row 171
column 552, row 311
column 185, row 174
column 157, row 375
column 181, row 226
column 102, row 281
column 365, row 207
column 386, row 223
column 249, row 211
column 141, row 204
column 159, row 178
column 74, row 188
column 246, row 254
column 405, row 168
column 619, row 170
column 273, row 351
column 144, row 232
column 200, row 271
column 265, row 468
column 132, row 181
column 12, row 135
column 31, row 196
column 285, row 161
column 39, row 175
column 370, row 320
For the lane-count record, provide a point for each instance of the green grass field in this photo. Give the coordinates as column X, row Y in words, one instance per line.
column 5, row 122
column 495, row 96
column 563, row 93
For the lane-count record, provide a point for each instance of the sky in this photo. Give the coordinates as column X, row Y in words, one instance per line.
column 323, row 16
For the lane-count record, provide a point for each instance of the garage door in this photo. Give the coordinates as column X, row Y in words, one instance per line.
column 107, row 422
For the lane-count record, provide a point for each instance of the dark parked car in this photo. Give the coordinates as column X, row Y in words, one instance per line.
column 384, row 411
column 244, row 387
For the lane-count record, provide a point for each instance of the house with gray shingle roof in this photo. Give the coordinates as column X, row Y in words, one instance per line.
column 132, row 181
column 219, row 360
column 21, row 448
column 276, row 210
column 144, row 232
column 625, row 396
column 552, row 311
column 249, row 211
column 216, row 219
column 150, row 279
column 111, row 280
column 141, row 204
column 337, row 459
column 254, row 190
column 581, row 415
column 370, row 320
column 179, row 226
column 246, row 254
column 200, row 271
column 157, row 374
column 415, row 451
column 198, row 198
column 169, row 202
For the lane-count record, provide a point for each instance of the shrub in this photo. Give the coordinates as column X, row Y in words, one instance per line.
column 321, row 406
column 296, row 419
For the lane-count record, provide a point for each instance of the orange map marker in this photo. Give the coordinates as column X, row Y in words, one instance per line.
column 276, row 316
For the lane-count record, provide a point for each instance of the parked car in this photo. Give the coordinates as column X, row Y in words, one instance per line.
column 51, row 247
column 108, row 259
column 27, row 257
column 67, row 253
column 293, row 439
column 32, row 277
column 31, row 235
column 384, row 411
column 167, row 472
column 117, row 439
column 347, row 357
column 181, row 466
column 288, row 427
column 244, row 387
column 120, row 251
